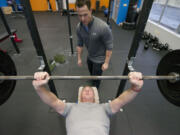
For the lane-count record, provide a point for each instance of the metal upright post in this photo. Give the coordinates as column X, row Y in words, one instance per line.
column 36, row 39
column 143, row 17
column 109, row 12
column 69, row 26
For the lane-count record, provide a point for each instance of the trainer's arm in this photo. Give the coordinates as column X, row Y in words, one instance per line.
column 79, row 52
column 107, row 39
column 107, row 59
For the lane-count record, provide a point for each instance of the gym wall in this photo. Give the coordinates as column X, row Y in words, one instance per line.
column 165, row 35
column 43, row 5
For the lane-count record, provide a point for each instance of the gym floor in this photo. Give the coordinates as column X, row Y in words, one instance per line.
column 25, row 114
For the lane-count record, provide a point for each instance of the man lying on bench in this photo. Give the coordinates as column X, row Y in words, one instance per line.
column 87, row 117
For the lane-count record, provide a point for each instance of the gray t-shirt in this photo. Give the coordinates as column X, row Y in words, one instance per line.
column 97, row 38
column 87, row 118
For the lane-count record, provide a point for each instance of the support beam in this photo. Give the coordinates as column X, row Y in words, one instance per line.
column 69, row 26
column 36, row 38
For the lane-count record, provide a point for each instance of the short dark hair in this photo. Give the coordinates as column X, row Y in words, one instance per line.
column 81, row 3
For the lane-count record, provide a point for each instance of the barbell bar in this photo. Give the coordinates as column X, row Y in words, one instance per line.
column 173, row 77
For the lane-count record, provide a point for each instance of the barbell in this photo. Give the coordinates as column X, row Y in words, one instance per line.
column 173, row 77
column 168, row 77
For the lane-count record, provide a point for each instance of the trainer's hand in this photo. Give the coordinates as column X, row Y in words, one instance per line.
column 79, row 63
column 105, row 66
column 41, row 78
column 136, row 81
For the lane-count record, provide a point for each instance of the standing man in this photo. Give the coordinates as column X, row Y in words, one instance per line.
column 96, row 35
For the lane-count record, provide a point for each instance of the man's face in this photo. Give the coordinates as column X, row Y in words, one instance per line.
column 84, row 14
column 87, row 95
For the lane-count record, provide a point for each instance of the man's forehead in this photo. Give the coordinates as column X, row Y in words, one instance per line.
column 88, row 88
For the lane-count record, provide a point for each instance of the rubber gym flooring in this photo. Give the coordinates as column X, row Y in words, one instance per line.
column 25, row 114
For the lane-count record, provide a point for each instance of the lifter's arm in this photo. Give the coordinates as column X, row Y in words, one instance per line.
column 136, row 81
column 42, row 78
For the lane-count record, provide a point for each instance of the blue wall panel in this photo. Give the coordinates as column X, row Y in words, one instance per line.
column 3, row 3
column 139, row 4
column 122, row 11
column 18, row 2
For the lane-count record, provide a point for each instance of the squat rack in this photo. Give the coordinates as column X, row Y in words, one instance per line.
column 147, row 4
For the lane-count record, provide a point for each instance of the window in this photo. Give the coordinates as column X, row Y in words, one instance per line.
column 166, row 13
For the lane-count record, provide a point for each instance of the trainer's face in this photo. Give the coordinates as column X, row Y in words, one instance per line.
column 85, row 15
column 87, row 95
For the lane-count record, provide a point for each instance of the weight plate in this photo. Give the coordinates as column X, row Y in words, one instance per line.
column 168, row 64
column 7, row 67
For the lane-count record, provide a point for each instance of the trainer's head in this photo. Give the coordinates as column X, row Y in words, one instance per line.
column 84, row 11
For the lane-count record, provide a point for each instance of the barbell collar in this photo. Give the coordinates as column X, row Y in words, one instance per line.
column 168, row 77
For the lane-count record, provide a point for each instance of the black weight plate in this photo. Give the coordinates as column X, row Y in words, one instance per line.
column 168, row 64
column 7, row 67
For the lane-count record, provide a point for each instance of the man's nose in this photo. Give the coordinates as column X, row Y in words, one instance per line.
column 87, row 91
